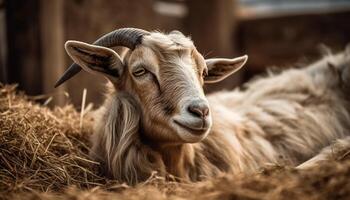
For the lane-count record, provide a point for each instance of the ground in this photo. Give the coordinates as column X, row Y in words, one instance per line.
column 43, row 155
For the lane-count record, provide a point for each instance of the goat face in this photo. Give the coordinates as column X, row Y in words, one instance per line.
column 164, row 74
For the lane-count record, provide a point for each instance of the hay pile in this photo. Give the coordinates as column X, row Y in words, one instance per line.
column 43, row 155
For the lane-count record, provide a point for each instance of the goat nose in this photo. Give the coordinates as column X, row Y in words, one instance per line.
column 199, row 109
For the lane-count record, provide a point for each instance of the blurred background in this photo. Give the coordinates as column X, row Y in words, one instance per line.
column 278, row 33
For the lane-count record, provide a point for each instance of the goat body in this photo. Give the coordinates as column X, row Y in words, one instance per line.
column 156, row 117
column 285, row 118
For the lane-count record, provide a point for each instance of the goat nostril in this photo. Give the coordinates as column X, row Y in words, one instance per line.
column 199, row 111
column 205, row 111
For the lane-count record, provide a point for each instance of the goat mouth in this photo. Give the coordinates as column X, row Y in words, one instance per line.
column 194, row 131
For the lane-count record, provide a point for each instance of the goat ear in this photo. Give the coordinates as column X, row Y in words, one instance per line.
column 95, row 59
column 220, row 68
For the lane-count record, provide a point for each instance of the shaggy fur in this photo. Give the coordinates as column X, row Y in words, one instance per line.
column 288, row 117
column 283, row 118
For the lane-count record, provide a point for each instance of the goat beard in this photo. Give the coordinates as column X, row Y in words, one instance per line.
column 119, row 149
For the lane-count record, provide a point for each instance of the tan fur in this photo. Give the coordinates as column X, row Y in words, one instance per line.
column 284, row 118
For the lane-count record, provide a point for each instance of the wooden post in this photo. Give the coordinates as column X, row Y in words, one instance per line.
column 52, row 45
column 211, row 25
column 3, row 67
column 24, row 53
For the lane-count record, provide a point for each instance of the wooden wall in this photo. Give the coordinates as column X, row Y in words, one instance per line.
column 36, row 31
column 41, row 27
column 284, row 41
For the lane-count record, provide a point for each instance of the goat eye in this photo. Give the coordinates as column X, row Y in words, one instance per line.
column 139, row 72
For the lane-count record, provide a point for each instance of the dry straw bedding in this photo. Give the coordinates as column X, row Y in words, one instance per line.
column 43, row 155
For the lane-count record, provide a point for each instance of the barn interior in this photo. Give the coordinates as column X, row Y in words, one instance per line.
column 276, row 34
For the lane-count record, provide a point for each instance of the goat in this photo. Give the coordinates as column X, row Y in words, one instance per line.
column 156, row 117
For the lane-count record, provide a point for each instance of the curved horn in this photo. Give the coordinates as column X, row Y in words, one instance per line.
column 127, row 37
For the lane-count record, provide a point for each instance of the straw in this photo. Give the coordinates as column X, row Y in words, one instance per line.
column 44, row 155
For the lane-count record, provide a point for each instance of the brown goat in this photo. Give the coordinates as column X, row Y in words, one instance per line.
column 157, row 118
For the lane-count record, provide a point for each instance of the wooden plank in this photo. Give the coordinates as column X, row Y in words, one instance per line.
column 52, row 45
column 290, row 8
